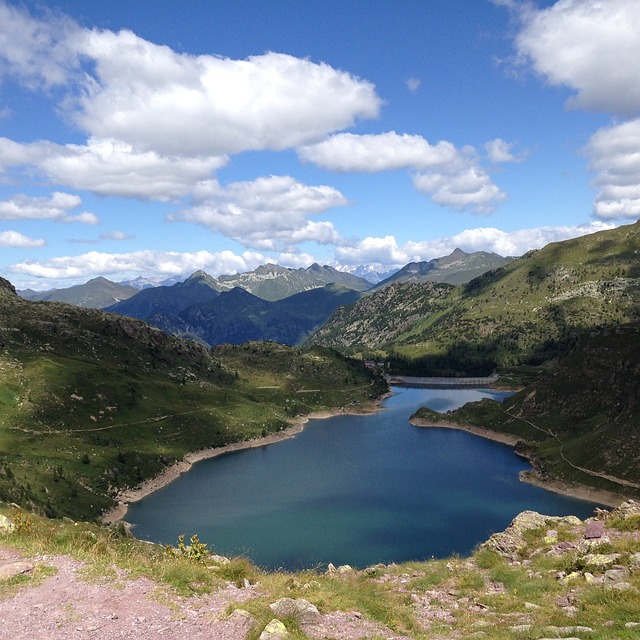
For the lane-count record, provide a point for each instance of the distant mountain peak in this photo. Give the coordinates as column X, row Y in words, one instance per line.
column 201, row 276
column 458, row 267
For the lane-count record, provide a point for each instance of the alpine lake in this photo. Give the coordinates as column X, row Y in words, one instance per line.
column 355, row 490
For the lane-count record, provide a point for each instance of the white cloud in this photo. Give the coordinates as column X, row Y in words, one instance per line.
column 590, row 46
column 36, row 51
column 470, row 188
column 413, row 84
column 386, row 252
column 499, row 152
column 56, row 208
column 371, row 153
column 213, row 105
column 115, row 235
column 13, row 239
column 120, row 86
column 383, row 251
column 66, row 270
column 505, row 243
column 615, row 158
column 111, row 168
column 452, row 177
column 269, row 213
column 165, row 263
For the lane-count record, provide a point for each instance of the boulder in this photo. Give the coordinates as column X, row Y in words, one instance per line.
column 244, row 622
column 275, row 630
column 6, row 526
column 617, row 579
column 300, row 609
column 595, row 529
column 12, row 569
column 628, row 509
column 600, row 561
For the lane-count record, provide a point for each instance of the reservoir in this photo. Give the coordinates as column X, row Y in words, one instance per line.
column 353, row 490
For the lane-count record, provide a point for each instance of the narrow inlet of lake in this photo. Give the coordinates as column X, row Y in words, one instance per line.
column 353, row 490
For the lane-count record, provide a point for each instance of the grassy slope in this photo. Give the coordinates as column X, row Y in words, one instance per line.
column 521, row 313
column 91, row 402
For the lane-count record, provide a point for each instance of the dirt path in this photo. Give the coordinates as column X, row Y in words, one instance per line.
column 590, row 472
column 65, row 606
column 68, row 606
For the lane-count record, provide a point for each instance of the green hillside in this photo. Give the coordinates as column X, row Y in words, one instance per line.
column 524, row 312
column 91, row 402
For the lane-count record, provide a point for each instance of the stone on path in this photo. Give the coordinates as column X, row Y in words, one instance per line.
column 12, row 569
column 594, row 530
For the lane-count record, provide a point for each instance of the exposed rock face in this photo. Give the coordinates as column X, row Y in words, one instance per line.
column 510, row 542
column 6, row 286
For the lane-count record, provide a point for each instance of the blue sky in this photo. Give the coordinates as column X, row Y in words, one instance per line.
column 155, row 138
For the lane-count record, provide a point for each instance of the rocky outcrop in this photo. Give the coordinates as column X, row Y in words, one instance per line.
column 511, row 542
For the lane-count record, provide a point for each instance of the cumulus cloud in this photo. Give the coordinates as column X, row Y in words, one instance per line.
column 13, row 239
column 378, row 152
column 167, row 263
column 111, row 168
column 120, row 86
column 269, row 213
column 468, row 189
column 209, row 105
column 615, row 159
column 387, row 253
column 590, row 46
column 56, row 208
column 500, row 151
column 593, row 47
column 36, row 51
column 452, row 177
column 67, row 270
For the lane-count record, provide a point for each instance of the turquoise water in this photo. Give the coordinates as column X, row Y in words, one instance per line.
column 353, row 490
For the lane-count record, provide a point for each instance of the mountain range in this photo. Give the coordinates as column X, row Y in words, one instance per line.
column 237, row 316
column 271, row 282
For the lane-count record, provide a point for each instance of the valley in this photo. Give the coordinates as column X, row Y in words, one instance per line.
column 119, row 400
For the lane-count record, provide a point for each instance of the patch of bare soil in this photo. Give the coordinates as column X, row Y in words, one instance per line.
column 67, row 606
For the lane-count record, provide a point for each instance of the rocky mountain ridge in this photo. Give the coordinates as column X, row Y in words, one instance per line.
column 457, row 268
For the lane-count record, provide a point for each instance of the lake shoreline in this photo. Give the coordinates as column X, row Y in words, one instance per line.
column 172, row 472
column 533, row 477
